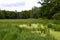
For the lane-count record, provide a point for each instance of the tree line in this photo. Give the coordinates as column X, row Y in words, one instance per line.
column 50, row 9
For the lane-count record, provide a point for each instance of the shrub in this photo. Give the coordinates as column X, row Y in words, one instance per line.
column 54, row 26
column 57, row 16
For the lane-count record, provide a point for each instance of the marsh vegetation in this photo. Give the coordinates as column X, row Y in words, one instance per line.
column 29, row 30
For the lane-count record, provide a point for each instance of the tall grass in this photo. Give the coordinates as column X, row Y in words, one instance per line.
column 10, row 29
column 14, row 32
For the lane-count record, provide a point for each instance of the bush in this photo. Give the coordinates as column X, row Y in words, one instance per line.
column 54, row 26
column 57, row 16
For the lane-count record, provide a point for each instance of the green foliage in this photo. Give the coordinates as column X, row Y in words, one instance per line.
column 25, row 14
column 54, row 26
column 49, row 8
column 14, row 33
column 57, row 16
column 10, row 30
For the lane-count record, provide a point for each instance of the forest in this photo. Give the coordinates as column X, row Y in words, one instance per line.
column 50, row 9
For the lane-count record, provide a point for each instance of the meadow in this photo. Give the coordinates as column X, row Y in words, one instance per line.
column 29, row 29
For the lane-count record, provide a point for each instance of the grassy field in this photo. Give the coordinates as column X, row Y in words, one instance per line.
column 28, row 21
column 56, row 34
column 29, row 29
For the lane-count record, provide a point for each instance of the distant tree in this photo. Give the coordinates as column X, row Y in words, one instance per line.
column 35, row 12
column 25, row 14
column 2, row 15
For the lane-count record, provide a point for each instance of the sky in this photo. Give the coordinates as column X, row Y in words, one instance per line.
column 18, row 5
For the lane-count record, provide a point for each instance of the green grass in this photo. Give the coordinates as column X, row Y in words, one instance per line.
column 9, row 29
column 26, row 21
column 56, row 34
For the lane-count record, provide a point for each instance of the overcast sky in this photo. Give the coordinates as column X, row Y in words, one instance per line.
column 18, row 5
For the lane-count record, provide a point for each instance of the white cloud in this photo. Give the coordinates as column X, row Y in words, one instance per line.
column 18, row 5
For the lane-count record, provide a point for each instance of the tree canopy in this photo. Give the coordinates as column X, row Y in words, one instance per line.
column 49, row 9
